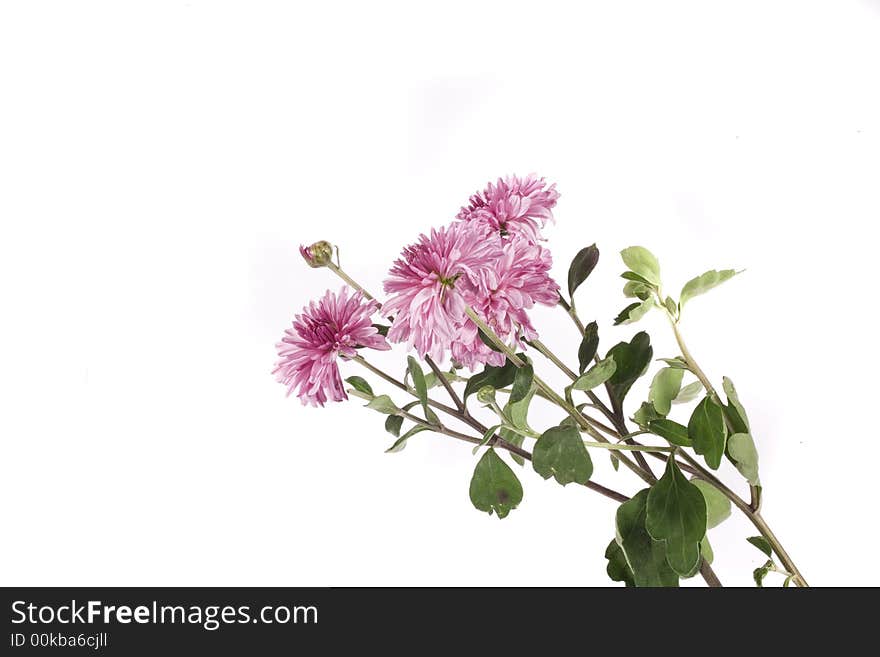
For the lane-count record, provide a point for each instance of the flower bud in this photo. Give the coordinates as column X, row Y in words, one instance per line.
column 486, row 395
column 319, row 254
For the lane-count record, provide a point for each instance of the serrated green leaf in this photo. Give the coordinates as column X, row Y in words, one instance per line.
column 675, row 433
column 645, row 556
column 741, row 449
column 704, row 282
column 588, row 347
column 400, row 443
column 618, row 569
column 688, row 393
column 708, row 431
column 632, row 360
column 383, row 404
column 360, row 384
column 642, row 262
column 494, row 487
column 735, row 411
column 676, row 513
column 596, row 375
column 582, row 265
column 560, row 453
column 664, row 388
column 762, row 544
column 717, row 505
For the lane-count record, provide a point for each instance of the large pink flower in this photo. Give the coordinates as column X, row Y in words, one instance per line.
column 331, row 327
column 501, row 295
column 513, row 206
column 428, row 284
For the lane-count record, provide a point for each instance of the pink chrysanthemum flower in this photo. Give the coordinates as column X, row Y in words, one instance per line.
column 428, row 284
column 501, row 295
column 331, row 327
column 513, row 206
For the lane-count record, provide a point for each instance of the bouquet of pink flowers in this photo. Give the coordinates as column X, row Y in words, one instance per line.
column 461, row 296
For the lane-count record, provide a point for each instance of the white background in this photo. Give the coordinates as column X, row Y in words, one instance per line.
column 161, row 161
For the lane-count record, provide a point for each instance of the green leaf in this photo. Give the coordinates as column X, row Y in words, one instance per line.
column 360, row 384
column 634, row 312
column 646, row 557
column 518, row 411
column 494, row 486
column 596, row 375
column 636, row 290
column 632, row 360
column 688, row 393
column 708, row 432
column 418, row 379
column 676, row 362
column 581, row 266
column 642, row 262
column 741, row 449
column 664, row 388
column 706, row 550
column 762, row 544
column 487, row 436
column 486, row 340
column 497, row 377
column 672, row 307
column 618, row 569
column 645, row 415
column 560, row 453
column 513, row 438
column 761, row 573
column 675, row 433
column 625, row 313
column 400, row 443
column 522, row 383
column 717, row 505
column 704, row 283
column 635, row 278
column 393, row 423
column 676, row 513
column 381, row 329
column 589, row 345
column 383, row 404
column 735, row 412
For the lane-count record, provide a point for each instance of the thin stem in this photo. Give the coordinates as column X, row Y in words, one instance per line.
column 459, row 404
column 631, row 448
column 348, row 279
column 572, row 313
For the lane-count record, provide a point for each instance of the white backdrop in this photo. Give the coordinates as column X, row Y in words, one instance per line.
column 161, row 161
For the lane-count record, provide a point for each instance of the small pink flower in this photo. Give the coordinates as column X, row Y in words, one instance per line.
column 331, row 327
column 501, row 295
column 428, row 284
column 513, row 206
